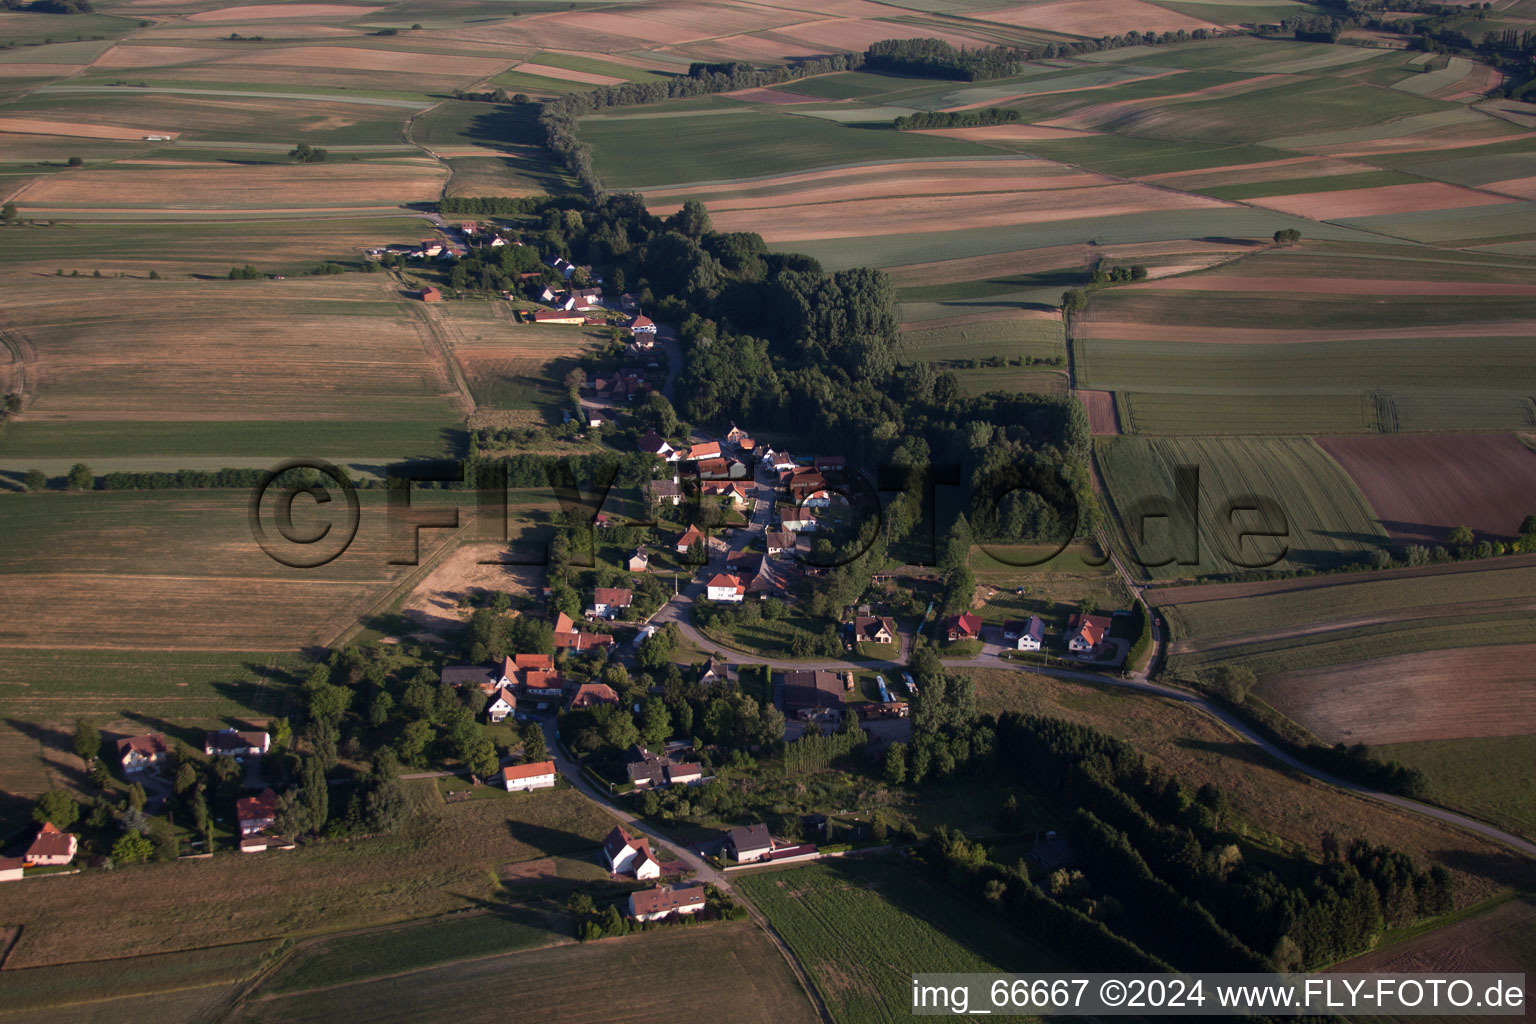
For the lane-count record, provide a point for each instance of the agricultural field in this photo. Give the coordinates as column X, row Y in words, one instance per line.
column 861, row 927
column 1276, row 811
column 1499, row 939
column 1300, row 510
column 748, row 980
column 447, row 858
column 1458, row 776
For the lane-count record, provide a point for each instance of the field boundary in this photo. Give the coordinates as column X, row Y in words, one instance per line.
column 397, row 593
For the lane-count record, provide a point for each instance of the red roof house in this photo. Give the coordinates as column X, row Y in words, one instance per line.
column 964, row 627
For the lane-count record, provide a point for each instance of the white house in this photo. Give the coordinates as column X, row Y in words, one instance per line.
column 1025, row 634
column 256, row 812
column 143, row 753
column 726, row 588
column 610, row 602
column 800, row 520
column 51, row 847
column 663, row 902
column 518, row 777
column 236, row 744
column 1086, row 632
column 749, row 843
column 11, row 869
column 783, row 463
column 630, row 855
column 505, row 704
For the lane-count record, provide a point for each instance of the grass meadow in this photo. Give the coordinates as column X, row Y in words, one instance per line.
column 1459, row 776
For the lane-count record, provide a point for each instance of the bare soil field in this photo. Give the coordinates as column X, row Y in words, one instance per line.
column 863, row 218
column 859, row 177
column 962, row 319
column 564, row 74
column 40, row 70
column 357, row 58
column 137, row 56
column 433, row 607
column 1431, row 695
column 275, row 12
column 1373, row 202
column 1103, row 419
column 234, row 187
column 38, row 126
column 1422, row 486
column 906, row 186
column 1269, row 170
column 1339, row 286
column 774, row 97
column 1064, row 122
column 1093, row 17
column 1500, row 940
column 1525, row 188
column 853, row 34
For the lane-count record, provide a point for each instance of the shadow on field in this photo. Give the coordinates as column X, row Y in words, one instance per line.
column 193, row 736
column 520, row 913
column 1509, row 868
column 1243, row 752
column 549, row 840
column 59, row 742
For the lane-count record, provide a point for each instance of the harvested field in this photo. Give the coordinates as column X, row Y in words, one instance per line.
column 1501, row 940
column 1195, row 334
column 1006, row 133
column 274, row 12
column 1093, row 17
column 1372, row 202
column 1212, row 592
column 870, row 217
column 1103, row 420
column 564, row 74
column 1420, row 487
column 1338, row 286
column 853, row 178
column 1430, row 695
column 359, row 58
column 37, row 126
column 1525, row 188
column 235, row 187
column 138, row 56
column 40, row 70
column 433, row 606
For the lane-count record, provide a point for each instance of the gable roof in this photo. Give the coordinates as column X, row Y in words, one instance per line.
column 705, row 450
column 690, row 537
column 723, row 580
column 780, row 538
column 750, row 837
column 619, row 596
column 151, row 744
column 867, row 626
column 255, row 808
column 654, row 443
column 812, row 688
column 651, row 901
column 543, row 661
column 513, row 772
column 563, row 623
column 51, row 842
column 966, row 623
column 504, row 694
column 618, row 839
column 594, row 693
column 469, row 675
column 1092, row 628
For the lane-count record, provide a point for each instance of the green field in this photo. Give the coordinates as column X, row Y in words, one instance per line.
column 1460, row 776
column 862, row 927
column 986, row 339
column 637, row 978
column 1328, row 520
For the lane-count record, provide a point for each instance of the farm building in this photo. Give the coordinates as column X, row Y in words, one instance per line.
column 143, row 753
column 749, row 843
column 812, row 690
column 11, row 868
column 523, row 777
column 657, row 904
column 431, row 294
column 485, row 679
column 557, row 316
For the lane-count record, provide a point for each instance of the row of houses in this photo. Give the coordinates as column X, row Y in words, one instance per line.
column 526, row 685
column 1084, row 637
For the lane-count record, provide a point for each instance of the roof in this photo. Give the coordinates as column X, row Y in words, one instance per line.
column 543, row 661
column 714, row 468
column 620, row 596
column 563, row 623
column 594, row 693
column 780, row 538
column 750, row 837
column 234, row 739
column 690, row 537
column 151, row 744
column 812, row 688
column 724, row 580
column 640, row 321
column 542, row 679
column 469, row 675
column 254, row 808
column 705, row 450
column 654, row 443
column 665, row 488
column 572, row 640
column 50, row 842
column 1030, row 627
column 799, row 515
column 506, row 694
column 618, row 839
column 652, row 901
column 513, row 772
column 1092, row 628
column 966, row 623
column 869, row 625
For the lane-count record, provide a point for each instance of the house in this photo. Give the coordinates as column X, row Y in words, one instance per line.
column 143, row 753
column 693, row 535
column 685, row 773
column 608, row 602
column 590, row 695
column 647, row 770
column 963, row 627
column 1024, row 634
column 800, row 520
column 661, row 903
column 749, row 843
column 813, row 689
column 487, row 680
column 831, row 464
column 665, row 491
column 735, row 434
column 639, row 561
column 782, row 462
column 564, row 266
column 713, row 469
column 642, row 325
column 726, row 588
column 431, row 294
column 236, row 744
column 502, row 705
column 713, row 671
column 1086, row 632
column 779, row 541
column 548, row 294
column 871, row 629
column 568, row 637
column 11, row 869
column 734, row 490
column 654, row 444
column 628, row 854
column 256, row 812
column 542, row 662
column 768, row 581
column 640, row 343
column 704, row 450
column 588, row 298
column 591, row 416
column 557, row 316
column 51, row 848
column 523, row 777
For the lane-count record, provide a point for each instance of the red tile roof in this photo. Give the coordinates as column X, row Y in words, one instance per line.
column 512, row 772
column 652, row 901
column 588, row 694
column 966, row 624
column 1092, row 628
column 50, row 842
column 617, row 596
column 151, row 744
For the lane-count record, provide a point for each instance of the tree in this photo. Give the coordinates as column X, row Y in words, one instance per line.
column 186, row 779
column 81, row 477
column 137, row 798
column 1287, row 236
column 1234, row 681
column 87, row 741
column 36, row 480
column 304, row 153
column 1461, row 536
column 580, row 905
column 8, row 214
column 896, row 763
column 58, row 807
column 132, row 848
column 1074, row 300
column 75, row 161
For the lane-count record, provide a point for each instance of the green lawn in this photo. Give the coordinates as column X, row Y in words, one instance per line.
column 1007, row 339
column 1488, row 778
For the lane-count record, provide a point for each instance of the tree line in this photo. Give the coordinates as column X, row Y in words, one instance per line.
column 956, row 118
